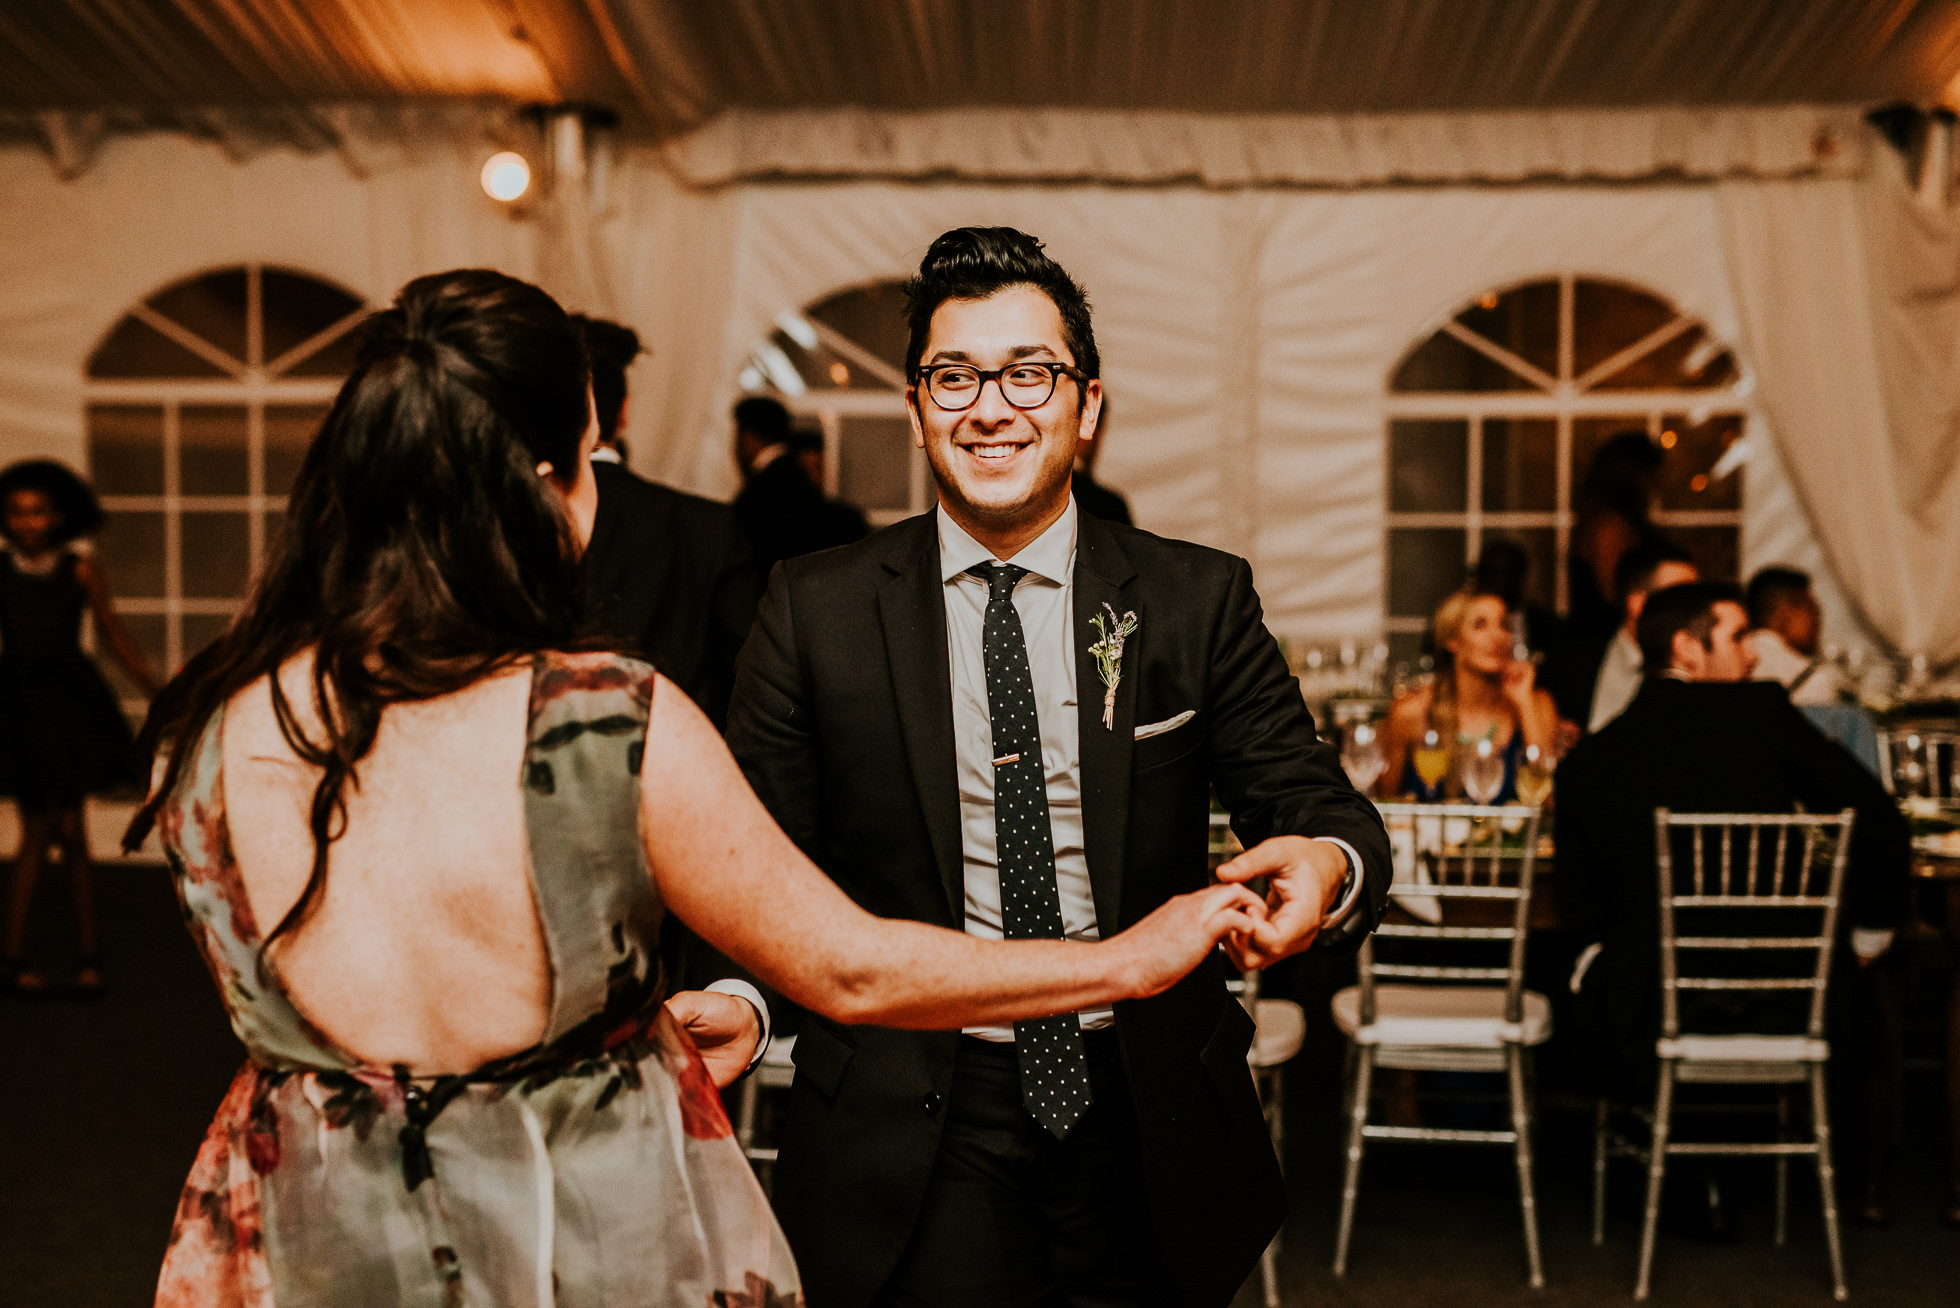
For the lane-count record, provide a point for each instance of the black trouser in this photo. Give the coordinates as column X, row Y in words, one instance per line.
column 1015, row 1217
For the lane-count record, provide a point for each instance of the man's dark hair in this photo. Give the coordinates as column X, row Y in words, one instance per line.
column 1620, row 475
column 1636, row 568
column 611, row 348
column 1502, row 567
column 1689, row 607
column 1774, row 586
column 764, row 418
column 972, row 263
column 807, row 440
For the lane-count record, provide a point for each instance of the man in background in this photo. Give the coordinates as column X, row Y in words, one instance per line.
column 1648, row 567
column 1091, row 496
column 782, row 511
column 666, row 572
column 1786, row 621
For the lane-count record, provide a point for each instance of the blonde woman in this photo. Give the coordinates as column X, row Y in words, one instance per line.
column 1481, row 692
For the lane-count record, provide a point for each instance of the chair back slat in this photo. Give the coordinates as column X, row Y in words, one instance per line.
column 1813, row 881
column 1452, row 853
column 1915, row 762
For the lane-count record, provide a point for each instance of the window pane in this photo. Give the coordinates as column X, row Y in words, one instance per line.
column 147, row 630
column 871, row 316
column 1424, row 565
column 1540, row 546
column 200, row 629
column 1608, row 317
column 1691, row 361
column 211, row 450
column 298, row 308
column 212, row 306
column 1428, row 466
column 131, row 549
column 135, row 349
column 217, row 555
column 874, row 463
column 1520, row 465
column 125, row 449
column 1691, row 453
column 1443, row 363
column 289, row 431
column 1524, row 320
column 1717, row 550
column 275, row 522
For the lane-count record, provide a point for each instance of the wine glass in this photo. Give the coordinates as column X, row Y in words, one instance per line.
column 1362, row 757
column 1534, row 779
column 1432, row 760
column 1483, row 772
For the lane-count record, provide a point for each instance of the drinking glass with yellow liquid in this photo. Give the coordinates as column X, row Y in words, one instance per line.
column 1534, row 779
column 1432, row 760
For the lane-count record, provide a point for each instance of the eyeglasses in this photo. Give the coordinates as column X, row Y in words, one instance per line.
column 1028, row 384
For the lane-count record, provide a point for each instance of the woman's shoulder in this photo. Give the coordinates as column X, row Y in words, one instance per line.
column 1412, row 706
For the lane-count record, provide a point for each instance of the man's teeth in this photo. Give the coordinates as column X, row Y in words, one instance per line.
column 993, row 451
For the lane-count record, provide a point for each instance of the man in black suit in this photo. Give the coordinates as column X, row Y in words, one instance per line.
column 1027, row 749
column 782, row 511
column 667, row 572
column 1699, row 737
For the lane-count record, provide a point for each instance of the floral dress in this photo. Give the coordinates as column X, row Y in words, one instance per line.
column 596, row 1168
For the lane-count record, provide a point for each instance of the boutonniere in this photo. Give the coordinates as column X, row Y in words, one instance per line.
column 1108, row 652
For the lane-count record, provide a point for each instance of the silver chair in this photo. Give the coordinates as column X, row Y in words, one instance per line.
column 774, row 1072
column 1427, row 1019
column 1743, row 865
column 1914, row 762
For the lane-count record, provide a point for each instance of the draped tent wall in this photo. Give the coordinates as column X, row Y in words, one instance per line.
column 1248, row 332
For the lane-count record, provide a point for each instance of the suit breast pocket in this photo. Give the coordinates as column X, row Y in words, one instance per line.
column 1167, row 747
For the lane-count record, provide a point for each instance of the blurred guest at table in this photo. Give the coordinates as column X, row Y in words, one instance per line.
column 1504, row 569
column 780, row 508
column 1091, row 496
column 1615, row 507
column 1785, row 621
column 667, row 572
column 1645, row 568
column 62, row 733
column 1481, row 693
column 808, row 443
column 1701, row 737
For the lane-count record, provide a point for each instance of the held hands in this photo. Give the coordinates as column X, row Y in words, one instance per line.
column 1303, row 883
column 724, row 1029
column 1161, row 949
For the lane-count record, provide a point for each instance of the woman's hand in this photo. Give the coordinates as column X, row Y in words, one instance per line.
column 1159, row 951
column 724, row 1029
column 1521, row 685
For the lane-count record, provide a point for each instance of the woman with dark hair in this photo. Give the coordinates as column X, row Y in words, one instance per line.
column 1615, row 507
column 426, row 835
column 62, row 733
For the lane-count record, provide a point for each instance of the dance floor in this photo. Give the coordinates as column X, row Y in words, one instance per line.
column 102, row 1105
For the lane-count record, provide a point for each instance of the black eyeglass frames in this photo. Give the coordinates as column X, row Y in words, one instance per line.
column 1027, row 384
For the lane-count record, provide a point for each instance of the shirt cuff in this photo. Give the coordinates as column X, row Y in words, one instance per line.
column 743, row 990
column 1868, row 942
column 1351, row 890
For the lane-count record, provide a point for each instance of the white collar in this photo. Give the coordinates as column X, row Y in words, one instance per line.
column 767, row 455
column 1050, row 556
column 1629, row 649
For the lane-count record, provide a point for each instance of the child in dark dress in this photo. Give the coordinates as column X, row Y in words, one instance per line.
column 62, row 732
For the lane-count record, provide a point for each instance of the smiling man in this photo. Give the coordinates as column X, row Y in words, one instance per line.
column 1010, row 717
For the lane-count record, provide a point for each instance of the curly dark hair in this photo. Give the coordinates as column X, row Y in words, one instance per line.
column 972, row 263
column 78, row 512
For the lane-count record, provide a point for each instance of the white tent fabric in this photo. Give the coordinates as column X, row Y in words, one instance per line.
column 1247, row 333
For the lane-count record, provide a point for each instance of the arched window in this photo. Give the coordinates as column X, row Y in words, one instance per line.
column 1494, row 417
column 838, row 365
column 201, row 403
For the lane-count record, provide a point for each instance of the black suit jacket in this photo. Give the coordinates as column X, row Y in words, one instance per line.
column 784, row 516
column 1703, row 747
column 843, row 722
column 671, row 575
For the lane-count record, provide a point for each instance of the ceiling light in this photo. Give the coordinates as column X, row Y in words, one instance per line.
column 506, row 176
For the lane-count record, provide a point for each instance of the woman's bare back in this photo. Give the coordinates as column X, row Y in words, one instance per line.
column 425, row 948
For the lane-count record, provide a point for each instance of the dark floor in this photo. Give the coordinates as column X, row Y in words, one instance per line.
column 102, row 1105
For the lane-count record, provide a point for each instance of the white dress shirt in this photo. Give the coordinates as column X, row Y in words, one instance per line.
column 1045, row 601
column 1619, row 680
column 1777, row 661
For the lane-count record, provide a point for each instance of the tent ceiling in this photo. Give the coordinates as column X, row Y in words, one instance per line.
column 671, row 65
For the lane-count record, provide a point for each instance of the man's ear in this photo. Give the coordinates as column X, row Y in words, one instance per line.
column 1688, row 653
column 912, row 416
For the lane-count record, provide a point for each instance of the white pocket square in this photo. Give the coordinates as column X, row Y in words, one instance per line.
column 1149, row 729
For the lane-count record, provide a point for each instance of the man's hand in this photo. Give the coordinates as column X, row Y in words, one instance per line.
column 1304, row 880
column 724, row 1029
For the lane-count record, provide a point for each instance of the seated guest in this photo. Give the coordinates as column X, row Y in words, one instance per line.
column 1785, row 621
column 666, row 572
column 781, row 509
column 1503, row 568
column 1481, row 692
column 1645, row 568
column 1700, row 737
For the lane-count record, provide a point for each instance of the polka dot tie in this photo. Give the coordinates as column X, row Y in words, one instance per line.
column 1054, row 1062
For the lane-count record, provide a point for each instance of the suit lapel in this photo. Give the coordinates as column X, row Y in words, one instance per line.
column 1101, row 572
column 912, row 609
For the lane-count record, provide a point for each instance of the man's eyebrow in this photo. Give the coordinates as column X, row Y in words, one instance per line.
column 1017, row 352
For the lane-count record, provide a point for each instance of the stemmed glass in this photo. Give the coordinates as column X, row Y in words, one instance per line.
column 1362, row 757
column 1483, row 772
column 1432, row 761
column 1534, row 780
